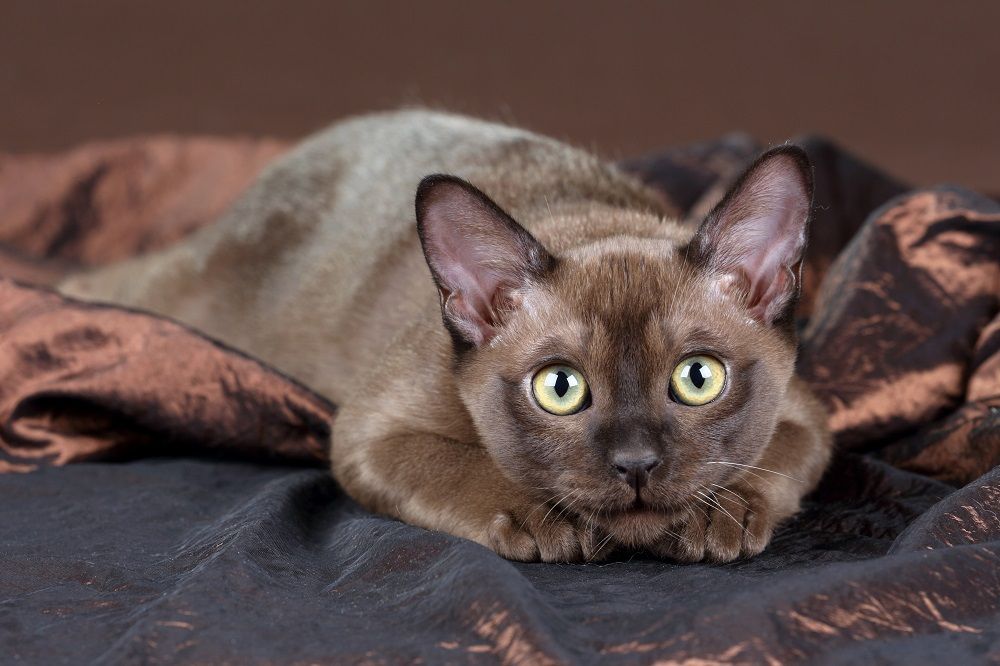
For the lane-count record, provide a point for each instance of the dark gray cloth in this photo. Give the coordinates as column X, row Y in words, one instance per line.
column 213, row 561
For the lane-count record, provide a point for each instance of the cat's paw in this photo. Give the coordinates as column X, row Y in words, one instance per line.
column 535, row 535
column 723, row 527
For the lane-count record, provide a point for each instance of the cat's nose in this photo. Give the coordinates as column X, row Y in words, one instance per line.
column 635, row 468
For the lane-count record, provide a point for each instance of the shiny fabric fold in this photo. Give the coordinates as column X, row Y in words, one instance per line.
column 89, row 382
column 903, row 343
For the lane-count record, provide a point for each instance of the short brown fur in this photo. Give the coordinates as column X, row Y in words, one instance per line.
column 319, row 271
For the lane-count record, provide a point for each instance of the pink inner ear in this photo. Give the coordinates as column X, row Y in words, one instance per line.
column 463, row 268
column 466, row 318
column 760, row 233
column 477, row 254
column 464, row 272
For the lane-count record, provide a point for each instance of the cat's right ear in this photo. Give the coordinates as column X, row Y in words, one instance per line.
column 480, row 257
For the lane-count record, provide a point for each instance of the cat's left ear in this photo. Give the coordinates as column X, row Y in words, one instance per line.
column 753, row 241
column 480, row 257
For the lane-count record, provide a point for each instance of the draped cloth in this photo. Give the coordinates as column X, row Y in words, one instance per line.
column 165, row 497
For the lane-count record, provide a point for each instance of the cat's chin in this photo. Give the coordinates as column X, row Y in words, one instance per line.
column 639, row 525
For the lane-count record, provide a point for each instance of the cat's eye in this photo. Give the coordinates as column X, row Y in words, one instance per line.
column 560, row 390
column 697, row 380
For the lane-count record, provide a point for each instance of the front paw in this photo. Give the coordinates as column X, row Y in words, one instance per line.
column 721, row 527
column 542, row 534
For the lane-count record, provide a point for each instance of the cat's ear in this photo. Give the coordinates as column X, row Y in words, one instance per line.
column 479, row 256
column 755, row 238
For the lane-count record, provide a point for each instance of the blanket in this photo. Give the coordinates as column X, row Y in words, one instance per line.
column 165, row 498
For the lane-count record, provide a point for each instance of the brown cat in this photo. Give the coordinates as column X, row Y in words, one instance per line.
column 602, row 378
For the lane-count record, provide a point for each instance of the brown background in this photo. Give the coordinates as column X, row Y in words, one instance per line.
column 912, row 86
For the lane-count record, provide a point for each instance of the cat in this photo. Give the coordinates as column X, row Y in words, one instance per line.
column 533, row 357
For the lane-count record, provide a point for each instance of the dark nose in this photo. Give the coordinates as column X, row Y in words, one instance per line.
column 635, row 468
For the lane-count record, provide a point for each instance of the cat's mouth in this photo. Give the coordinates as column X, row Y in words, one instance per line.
column 640, row 508
column 638, row 524
column 640, row 511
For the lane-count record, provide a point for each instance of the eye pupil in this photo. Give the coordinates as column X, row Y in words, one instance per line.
column 697, row 380
column 697, row 375
column 560, row 390
column 562, row 384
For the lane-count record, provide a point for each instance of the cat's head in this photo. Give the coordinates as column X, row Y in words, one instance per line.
column 623, row 376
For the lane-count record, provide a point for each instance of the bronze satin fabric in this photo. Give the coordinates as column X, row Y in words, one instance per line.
column 903, row 341
column 86, row 382
column 904, row 344
column 108, row 201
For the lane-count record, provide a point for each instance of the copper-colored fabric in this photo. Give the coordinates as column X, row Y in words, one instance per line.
column 88, row 382
column 84, row 382
column 904, row 343
column 107, row 201
column 890, row 560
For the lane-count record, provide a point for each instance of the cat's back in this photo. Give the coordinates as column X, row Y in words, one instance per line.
column 317, row 268
column 348, row 191
column 329, row 208
column 360, row 274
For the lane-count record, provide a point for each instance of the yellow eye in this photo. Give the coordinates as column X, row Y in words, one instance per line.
column 560, row 390
column 698, row 380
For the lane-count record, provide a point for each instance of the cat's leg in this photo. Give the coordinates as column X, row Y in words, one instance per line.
column 737, row 519
column 441, row 484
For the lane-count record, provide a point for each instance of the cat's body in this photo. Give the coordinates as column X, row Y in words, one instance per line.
column 318, row 270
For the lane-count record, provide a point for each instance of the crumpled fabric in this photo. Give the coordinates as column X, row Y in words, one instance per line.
column 197, row 524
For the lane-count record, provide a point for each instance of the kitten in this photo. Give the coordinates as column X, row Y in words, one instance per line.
column 602, row 379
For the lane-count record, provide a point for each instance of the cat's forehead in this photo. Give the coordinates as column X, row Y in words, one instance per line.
column 638, row 294
column 628, row 278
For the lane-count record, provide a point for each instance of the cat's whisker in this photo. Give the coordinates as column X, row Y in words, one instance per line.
column 589, row 525
column 763, row 469
column 679, row 537
column 738, row 497
column 745, row 481
column 528, row 516
column 687, row 505
column 560, row 501
column 708, row 496
column 595, row 512
column 590, row 518
column 706, row 499
column 567, row 507
column 604, row 542
column 697, row 506
column 736, row 467
column 721, row 508
column 748, row 471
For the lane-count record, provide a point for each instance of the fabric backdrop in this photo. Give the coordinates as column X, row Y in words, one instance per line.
column 199, row 524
